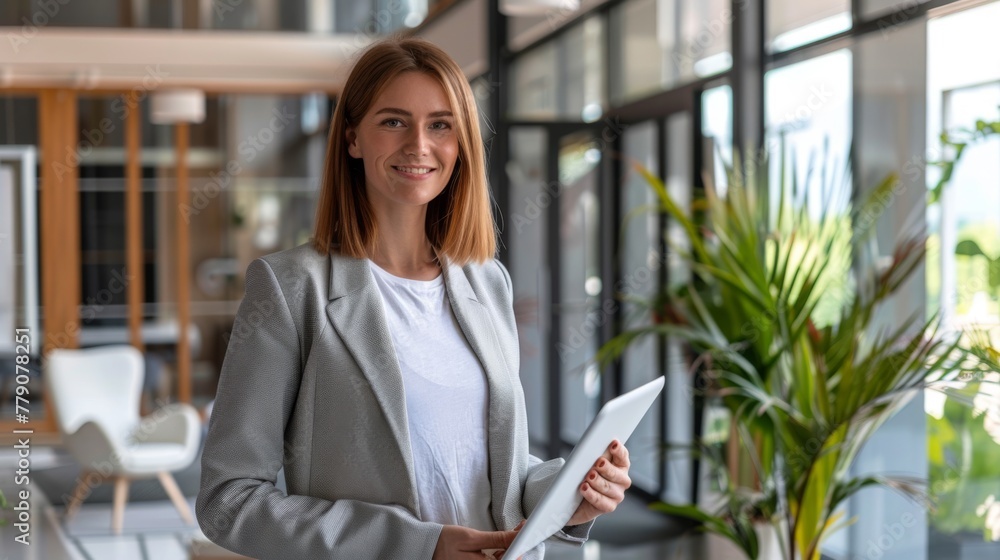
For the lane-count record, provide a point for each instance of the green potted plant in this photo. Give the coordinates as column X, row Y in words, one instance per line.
column 3, row 507
column 785, row 336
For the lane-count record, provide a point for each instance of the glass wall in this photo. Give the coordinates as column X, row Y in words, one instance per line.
column 678, row 393
column 527, row 221
column 536, row 91
column 863, row 94
column 792, row 24
column 369, row 17
column 579, row 304
column 639, row 252
column 583, row 59
column 562, row 79
column 717, row 129
column 875, row 8
column 565, row 79
column 889, row 113
column 963, row 275
column 661, row 44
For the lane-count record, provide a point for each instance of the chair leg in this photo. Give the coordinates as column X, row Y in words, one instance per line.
column 118, row 512
column 77, row 497
column 170, row 485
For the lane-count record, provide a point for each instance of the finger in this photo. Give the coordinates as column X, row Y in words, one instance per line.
column 613, row 490
column 601, row 503
column 607, row 455
column 521, row 524
column 620, row 455
column 495, row 539
column 604, row 485
column 617, row 475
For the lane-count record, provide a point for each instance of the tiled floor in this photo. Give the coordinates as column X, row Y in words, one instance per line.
column 154, row 531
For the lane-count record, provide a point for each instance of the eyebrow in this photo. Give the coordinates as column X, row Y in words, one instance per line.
column 405, row 113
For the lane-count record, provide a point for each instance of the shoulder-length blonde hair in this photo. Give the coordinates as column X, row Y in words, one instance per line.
column 459, row 221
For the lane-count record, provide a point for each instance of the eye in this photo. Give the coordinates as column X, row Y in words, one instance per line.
column 444, row 125
column 387, row 121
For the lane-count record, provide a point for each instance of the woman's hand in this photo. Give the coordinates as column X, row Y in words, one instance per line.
column 461, row 543
column 604, row 486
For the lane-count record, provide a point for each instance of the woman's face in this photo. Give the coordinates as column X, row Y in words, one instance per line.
column 407, row 141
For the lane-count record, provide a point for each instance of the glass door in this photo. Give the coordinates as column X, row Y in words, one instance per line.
column 577, row 308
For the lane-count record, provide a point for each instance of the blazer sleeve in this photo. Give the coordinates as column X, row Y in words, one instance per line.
column 238, row 506
column 541, row 474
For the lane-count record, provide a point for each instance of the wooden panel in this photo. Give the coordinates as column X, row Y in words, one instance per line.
column 133, row 216
column 59, row 207
column 182, row 134
column 60, row 219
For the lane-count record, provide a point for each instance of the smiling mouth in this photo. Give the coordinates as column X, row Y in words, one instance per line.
column 413, row 170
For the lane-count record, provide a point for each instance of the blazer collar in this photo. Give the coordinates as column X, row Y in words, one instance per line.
column 350, row 274
column 357, row 313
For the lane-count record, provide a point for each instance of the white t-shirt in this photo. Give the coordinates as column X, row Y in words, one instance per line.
column 446, row 401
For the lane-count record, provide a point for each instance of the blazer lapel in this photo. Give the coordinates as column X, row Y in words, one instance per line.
column 477, row 324
column 356, row 311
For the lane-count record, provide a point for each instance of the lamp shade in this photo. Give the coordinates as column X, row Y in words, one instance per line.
column 177, row 105
column 537, row 7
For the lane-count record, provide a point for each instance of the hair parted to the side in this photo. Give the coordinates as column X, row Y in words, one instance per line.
column 459, row 221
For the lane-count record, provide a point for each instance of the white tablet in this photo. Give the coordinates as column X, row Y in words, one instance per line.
column 616, row 420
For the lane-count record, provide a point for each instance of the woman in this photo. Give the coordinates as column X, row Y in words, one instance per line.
column 378, row 364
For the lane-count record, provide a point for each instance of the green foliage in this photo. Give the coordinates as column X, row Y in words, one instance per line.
column 805, row 396
column 3, row 505
column 956, row 142
column 969, row 248
column 963, row 467
column 961, row 452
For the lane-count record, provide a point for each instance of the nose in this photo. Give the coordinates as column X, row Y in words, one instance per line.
column 417, row 142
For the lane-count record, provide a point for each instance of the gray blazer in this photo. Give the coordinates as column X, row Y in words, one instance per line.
column 310, row 382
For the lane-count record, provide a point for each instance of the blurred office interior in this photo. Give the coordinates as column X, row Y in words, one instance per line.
column 150, row 150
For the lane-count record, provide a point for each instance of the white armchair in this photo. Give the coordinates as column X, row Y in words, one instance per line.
column 95, row 393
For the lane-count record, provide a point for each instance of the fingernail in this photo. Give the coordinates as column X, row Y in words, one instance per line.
column 584, row 487
column 614, row 445
column 600, row 463
column 592, row 476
